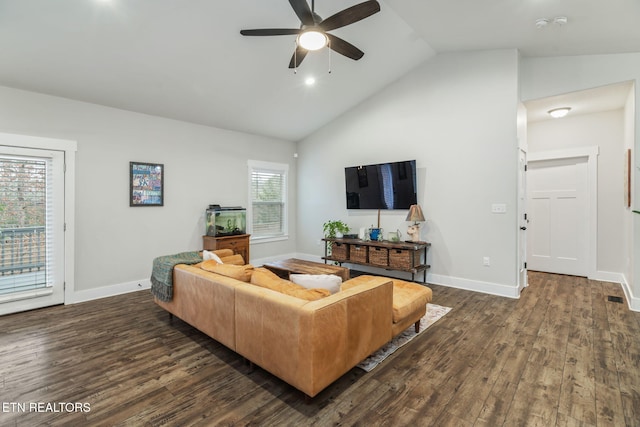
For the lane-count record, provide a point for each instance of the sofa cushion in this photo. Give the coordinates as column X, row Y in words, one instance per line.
column 239, row 272
column 331, row 282
column 207, row 255
column 407, row 298
column 233, row 259
column 356, row 281
column 267, row 279
column 223, row 252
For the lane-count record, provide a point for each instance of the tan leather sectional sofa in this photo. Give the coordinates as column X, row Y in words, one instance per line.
column 308, row 344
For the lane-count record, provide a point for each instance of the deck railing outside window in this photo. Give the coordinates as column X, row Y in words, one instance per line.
column 22, row 250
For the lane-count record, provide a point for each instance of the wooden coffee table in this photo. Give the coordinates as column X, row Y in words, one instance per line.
column 299, row 266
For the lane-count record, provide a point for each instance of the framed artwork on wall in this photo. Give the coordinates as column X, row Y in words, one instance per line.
column 146, row 184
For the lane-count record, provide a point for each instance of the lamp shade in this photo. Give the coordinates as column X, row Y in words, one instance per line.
column 415, row 214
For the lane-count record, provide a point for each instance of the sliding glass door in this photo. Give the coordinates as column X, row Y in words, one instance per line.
column 31, row 228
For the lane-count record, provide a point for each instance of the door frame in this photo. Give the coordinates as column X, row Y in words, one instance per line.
column 591, row 153
column 522, row 221
column 69, row 148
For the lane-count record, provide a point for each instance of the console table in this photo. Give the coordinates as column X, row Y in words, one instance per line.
column 399, row 256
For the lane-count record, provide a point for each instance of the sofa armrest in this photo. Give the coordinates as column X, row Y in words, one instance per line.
column 311, row 344
column 205, row 300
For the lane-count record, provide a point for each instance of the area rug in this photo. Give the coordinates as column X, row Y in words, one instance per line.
column 434, row 313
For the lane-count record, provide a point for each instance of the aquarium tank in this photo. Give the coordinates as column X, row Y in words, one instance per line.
column 229, row 221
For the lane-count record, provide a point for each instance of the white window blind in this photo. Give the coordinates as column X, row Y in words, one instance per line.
column 25, row 224
column 268, row 204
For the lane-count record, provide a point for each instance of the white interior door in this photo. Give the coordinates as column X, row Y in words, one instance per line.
column 558, row 216
column 31, row 228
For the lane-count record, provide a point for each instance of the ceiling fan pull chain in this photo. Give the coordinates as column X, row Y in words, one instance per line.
column 295, row 58
column 329, row 48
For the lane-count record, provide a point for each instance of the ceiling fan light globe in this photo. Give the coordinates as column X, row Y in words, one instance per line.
column 312, row 40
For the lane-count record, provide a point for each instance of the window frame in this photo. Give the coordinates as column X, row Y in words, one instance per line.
column 283, row 169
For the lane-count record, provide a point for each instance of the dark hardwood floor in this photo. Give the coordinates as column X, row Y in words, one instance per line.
column 561, row 355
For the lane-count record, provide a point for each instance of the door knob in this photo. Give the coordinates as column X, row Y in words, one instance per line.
column 523, row 228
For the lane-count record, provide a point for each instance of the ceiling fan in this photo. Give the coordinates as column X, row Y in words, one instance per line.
column 313, row 32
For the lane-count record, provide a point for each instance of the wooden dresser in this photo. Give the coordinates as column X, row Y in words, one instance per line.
column 239, row 243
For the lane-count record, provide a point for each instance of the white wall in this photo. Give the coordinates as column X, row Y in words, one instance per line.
column 543, row 77
column 456, row 115
column 606, row 131
column 115, row 243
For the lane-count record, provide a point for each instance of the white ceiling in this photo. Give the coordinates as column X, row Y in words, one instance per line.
column 186, row 59
column 588, row 101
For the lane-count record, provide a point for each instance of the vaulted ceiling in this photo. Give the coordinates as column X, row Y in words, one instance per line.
column 186, row 60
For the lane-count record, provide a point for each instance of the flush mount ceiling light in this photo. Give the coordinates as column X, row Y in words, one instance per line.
column 558, row 113
column 312, row 39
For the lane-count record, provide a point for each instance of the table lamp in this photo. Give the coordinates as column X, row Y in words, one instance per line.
column 415, row 215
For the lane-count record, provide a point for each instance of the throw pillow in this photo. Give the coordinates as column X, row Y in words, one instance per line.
column 207, row 255
column 238, row 272
column 331, row 282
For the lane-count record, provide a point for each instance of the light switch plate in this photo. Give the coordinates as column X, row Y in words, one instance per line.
column 498, row 208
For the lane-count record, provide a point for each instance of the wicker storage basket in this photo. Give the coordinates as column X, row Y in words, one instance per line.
column 401, row 258
column 358, row 253
column 379, row 256
column 339, row 251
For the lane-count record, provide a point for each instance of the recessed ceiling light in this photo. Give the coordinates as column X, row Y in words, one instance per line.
column 557, row 113
column 310, row 81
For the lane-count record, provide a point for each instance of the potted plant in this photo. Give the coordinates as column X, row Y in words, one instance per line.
column 331, row 229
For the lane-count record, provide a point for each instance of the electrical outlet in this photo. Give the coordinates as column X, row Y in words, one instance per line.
column 486, row 261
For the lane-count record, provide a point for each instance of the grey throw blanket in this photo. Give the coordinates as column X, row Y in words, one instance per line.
column 162, row 273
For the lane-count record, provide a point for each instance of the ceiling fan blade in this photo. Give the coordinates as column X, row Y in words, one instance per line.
column 350, row 15
column 344, row 48
column 297, row 57
column 270, row 32
column 301, row 8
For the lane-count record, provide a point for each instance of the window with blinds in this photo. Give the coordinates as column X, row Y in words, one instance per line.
column 25, row 204
column 268, row 199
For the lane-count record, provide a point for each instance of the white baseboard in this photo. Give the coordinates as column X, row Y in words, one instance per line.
column 474, row 285
column 607, row 276
column 436, row 279
column 109, row 291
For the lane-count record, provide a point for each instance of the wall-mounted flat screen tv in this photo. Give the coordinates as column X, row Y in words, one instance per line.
column 381, row 186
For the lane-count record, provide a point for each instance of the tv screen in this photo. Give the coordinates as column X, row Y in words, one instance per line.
column 381, row 186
